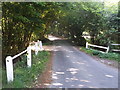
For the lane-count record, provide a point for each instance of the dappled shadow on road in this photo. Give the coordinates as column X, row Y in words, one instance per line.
column 71, row 82
column 70, row 78
column 68, row 70
column 62, row 41
column 57, row 44
column 74, row 69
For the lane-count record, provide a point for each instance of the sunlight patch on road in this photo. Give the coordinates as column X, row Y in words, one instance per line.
column 110, row 76
column 59, row 46
column 49, row 50
column 60, row 87
column 92, row 87
column 80, row 85
column 67, row 50
column 52, row 38
column 71, row 51
column 54, row 74
column 46, row 84
column 54, row 77
column 84, row 81
column 67, row 78
column 57, row 84
column 74, row 78
column 78, row 62
column 72, row 85
column 90, row 75
column 68, row 56
column 55, row 50
column 72, row 70
column 71, row 79
column 59, row 72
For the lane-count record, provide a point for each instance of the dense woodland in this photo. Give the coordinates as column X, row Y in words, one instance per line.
column 23, row 22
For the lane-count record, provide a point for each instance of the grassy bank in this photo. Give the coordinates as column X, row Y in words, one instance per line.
column 23, row 76
column 109, row 56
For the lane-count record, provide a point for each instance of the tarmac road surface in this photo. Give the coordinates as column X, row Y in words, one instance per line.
column 75, row 69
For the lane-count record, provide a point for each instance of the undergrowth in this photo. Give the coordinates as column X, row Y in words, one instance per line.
column 109, row 56
column 24, row 76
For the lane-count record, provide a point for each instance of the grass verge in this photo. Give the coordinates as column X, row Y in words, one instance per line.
column 23, row 76
column 109, row 56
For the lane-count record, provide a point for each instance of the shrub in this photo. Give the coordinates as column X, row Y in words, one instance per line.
column 96, row 52
column 110, row 56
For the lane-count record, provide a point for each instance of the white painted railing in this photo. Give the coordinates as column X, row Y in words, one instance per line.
column 107, row 48
column 116, row 50
column 115, row 44
column 37, row 46
column 9, row 60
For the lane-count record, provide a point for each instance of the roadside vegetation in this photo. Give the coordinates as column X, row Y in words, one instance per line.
column 23, row 76
column 109, row 56
column 72, row 20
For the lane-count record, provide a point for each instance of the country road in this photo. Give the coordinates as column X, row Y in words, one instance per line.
column 75, row 69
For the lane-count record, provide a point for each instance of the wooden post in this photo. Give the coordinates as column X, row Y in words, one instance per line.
column 29, row 56
column 86, row 44
column 9, row 68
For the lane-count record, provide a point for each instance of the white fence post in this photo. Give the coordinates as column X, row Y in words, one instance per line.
column 36, row 48
column 86, row 44
column 29, row 56
column 40, row 43
column 9, row 68
column 108, row 48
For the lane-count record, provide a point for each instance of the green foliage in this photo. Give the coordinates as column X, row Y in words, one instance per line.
column 96, row 52
column 25, row 76
column 80, row 17
column 23, row 22
column 99, row 21
column 110, row 56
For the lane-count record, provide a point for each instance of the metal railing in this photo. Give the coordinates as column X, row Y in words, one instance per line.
column 9, row 60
